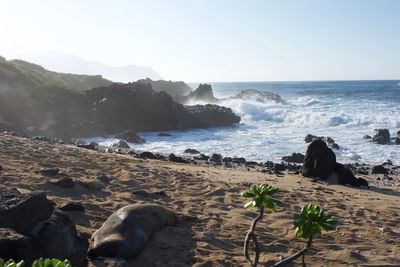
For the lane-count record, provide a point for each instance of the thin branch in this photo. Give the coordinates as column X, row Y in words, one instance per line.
column 251, row 234
column 295, row 256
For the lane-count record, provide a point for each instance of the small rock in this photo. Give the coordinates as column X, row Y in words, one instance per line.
column 335, row 146
column 147, row 155
column 120, row 145
column 1, row 168
column 397, row 141
column 50, row 172
column 202, row 157
column 172, row 157
column 367, row 137
column 215, row 158
column 191, row 151
column 73, row 206
column 103, row 179
column 279, row 167
column 227, row 159
column 164, row 134
column 379, row 169
column 294, row 158
column 239, row 160
column 64, row 182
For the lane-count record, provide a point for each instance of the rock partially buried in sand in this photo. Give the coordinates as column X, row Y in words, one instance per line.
column 172, row 157
column 125, row 233
column 50, row 172
column 147, row 155
column 65, row 182
column 72, row 206
column 379, row 169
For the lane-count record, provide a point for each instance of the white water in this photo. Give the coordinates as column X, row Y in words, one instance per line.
column 269, row 131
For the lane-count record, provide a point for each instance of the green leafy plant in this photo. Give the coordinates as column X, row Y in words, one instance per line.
column 37, row 263
column 11, row 263
column 261, row 198
column 51, row 263
column 310, row 222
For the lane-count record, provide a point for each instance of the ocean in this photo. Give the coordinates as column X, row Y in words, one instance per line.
column 342, row 110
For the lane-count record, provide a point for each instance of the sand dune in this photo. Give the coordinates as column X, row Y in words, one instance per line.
column 368, row 235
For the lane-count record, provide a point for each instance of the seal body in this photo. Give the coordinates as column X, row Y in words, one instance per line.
column 125, row 233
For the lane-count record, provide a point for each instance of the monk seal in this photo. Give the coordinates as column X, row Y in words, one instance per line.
column 125, row 233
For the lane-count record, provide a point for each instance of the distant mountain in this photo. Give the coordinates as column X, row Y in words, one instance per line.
column 73, row 64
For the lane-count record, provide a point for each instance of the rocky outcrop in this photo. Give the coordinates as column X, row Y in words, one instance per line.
column 191, row 151
column 203, row 93
column 47, row 108
column 212, row 115
column 381, row 136
column 131, row 137
column 46, row 232
column 259, row 96
column 177, row 90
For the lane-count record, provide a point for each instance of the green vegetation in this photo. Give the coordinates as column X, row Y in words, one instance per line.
column 310, row 222
column 33, row 75
column 261, row 198
column 37, row 263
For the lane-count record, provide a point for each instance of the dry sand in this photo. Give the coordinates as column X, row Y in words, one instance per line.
column 368, row 235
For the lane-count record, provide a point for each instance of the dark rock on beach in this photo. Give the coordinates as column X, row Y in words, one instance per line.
column 172, row 157
column 294, row 158
column 381, row 136
column 131, row 137
column 50, row 172
column 65, row 182
column 379, row 169
column 319, row 160
column 46, row 232
column 162, row 134
column 215, row 158
column 91, row 146
column 147, row 155
column 14, row 207
column 72, row 206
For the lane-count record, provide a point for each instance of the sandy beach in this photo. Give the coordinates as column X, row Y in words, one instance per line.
column 368, row 235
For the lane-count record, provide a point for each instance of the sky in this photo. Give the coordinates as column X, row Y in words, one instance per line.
column 215, row 40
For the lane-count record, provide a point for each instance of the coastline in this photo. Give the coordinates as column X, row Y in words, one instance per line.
column 212, row 194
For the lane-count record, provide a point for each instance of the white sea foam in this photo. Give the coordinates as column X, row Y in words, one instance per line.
column 269, row 131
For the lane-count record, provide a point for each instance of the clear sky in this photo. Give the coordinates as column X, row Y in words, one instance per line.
column 215, row 40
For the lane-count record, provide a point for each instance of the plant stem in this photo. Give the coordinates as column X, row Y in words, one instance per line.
column 251, row 234
column 295, row 256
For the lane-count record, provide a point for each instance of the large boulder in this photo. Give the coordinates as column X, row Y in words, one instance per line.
column 319, row 161
column 15, row 206
column 381, row 136
column 131, row 137
column 30, row 228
